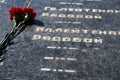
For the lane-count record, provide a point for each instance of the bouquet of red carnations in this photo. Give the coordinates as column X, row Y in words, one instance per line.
column 20, row 17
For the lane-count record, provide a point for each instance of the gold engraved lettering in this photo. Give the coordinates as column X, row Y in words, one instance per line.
column 117, row 11
column 66, row 30
column 94, row 10
column 71, row 16
column 88, row 40
column 110, row 11
column 97, row 17
column 118, row 32
column 48, row 30
column 58, row 30
column 36, row 37
column 86, row 10
column 53, row 9
column 103, row 32
column 98, row 40
column 112, row 32
column 85, row 31
column 53, row 15
column 94, row 31
column 56, row 38
column 50, row 8
column 102, row 11
column 66, row 39
column 70, row 9
column 88, row 16
column 78, row 10
column 76, row 40
column 46, row 38
column 63, row 9
column 79, row 16
column 45, row 14
column 81, row 10
column 46, row 8
column 75, row 30
column 62, row 15
column 40, row 29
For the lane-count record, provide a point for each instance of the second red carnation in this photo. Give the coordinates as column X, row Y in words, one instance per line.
column 17, row 12
column 30, row 11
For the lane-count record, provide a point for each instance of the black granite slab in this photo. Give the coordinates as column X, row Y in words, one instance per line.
column 44, row 59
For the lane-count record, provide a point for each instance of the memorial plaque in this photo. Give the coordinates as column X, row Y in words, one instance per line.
column 70, row 40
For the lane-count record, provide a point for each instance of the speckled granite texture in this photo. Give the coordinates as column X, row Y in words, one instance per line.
column 26, row 59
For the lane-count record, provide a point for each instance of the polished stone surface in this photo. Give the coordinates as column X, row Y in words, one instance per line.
column 28, row 59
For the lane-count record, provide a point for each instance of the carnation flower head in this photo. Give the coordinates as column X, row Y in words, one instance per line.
column 19, row 14
column 16, row 12
column 30, row 12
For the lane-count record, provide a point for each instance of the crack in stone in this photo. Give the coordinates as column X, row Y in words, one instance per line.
column 28, row 2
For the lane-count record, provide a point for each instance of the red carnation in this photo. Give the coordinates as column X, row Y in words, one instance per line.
column 17, row 12
column 21, row 18
column 30, row 12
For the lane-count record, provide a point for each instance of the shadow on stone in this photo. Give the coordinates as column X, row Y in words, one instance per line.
column 39, row 23
column 11, row 43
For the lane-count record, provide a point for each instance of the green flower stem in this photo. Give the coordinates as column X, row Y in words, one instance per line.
column 11, row 34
